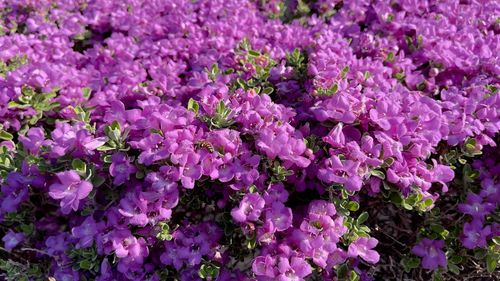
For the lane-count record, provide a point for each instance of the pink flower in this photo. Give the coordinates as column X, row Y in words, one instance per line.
column 362, row 247
column 71, row 190
column 431, row 253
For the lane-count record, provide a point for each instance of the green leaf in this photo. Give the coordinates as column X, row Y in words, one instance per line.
column 367, row 75
column 491, row 262
column 496, row 240
column 268, row 90
column 437, row 276
column 439, row 229
column 79, row 166
column 344, row 72
column 342, row 271
column 410, row 263
column 209, row 270
column 377, row 173
column 107, row 159
column 333, row 89
column 406, row 205
column 253, row 53
column 98, row 181
column 221, row 107
column 105, row 148
column 428, row 202
column 390, row 57
column 6, row 135
column 214, row 71
column 85, row 264
column 86, row 92
column 193, row 106
column 139, row 174
column 27, row 229
column 388, row 162
column 453, row 268
column 362, row 218
column 251, row 243
column 353, row 276
column 353, row 206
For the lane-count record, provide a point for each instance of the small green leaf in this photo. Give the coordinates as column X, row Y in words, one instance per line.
column 353, row 276
column 342, row 271
column 390, row 57
column 344, row 72
column 377, row 173
column 437, row 276
column 139, row 174
column 388, row 162
column 367, row 75
column 453, row 268
column 253, row 53
column 491, row 262
column 409, row 263
column 353, row 206
column 362, row 218
column 428, row 202
column 496, row 240
column 105, row 148
column 86, row 92
column 268, row 90
column 79, row 166
column 193, row 106
column 333, row 89
column 98, row 181
column 85, row 264
column 6, row 135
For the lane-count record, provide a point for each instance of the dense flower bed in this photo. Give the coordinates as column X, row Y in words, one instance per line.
column 249, row 140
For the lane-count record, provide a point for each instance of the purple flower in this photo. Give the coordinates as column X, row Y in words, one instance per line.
column 475, row 206
column 336, row 137
column 34, row 139
column 57, row 244
column 249, row 209
column 474, row 234
column 280, row 216
column 294, row 269
column 120, row 168
column 490, row 191
column 86, row 232
column 16, row 190
column 71, row 190
column 12, row 239
column 341, row 171
column 264, row 266
column 321, row 208
column 431, row 253
column 442, row 174
column 362, row 247
column 130, row 250
column 135, row 209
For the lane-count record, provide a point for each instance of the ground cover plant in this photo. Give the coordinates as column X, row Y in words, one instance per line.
column 249, row 140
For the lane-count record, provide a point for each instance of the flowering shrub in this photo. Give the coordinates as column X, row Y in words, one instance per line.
column 249, row 140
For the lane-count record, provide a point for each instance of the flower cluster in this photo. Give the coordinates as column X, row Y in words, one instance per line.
column 241, row 140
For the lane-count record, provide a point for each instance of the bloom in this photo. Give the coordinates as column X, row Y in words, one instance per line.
column 362, row 247
column 474, row 234
column 12, row 239
column 71, row 190
column 475, row 206
column 86, row 232
column 295, row 268
column 249, row 209
column 120, row 168
column 431, row 253
column 280, row 216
